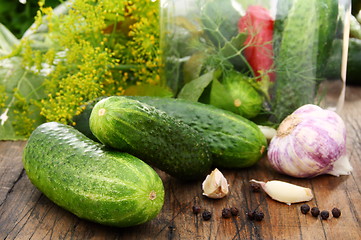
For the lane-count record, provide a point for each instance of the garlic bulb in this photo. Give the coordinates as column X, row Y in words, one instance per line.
column 285, row 192
column 310, row 142
column 215, row 185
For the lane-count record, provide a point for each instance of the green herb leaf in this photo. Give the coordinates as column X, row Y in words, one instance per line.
column 219, row 20
column 194, row 89
column 233, row 47
column 8, row 41
column 192, row 68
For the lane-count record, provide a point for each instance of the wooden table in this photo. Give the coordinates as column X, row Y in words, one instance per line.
column 25, row 213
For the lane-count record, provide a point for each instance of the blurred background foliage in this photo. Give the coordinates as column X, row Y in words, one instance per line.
column 18, row 17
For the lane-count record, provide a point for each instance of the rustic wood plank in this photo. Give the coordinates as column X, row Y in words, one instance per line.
column 25, row 213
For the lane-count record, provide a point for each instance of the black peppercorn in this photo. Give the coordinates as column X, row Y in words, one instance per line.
column 305, row 208
column 324, row 214
column 336, row 212
column 255, row 215
column 255, row 187
column 234, row 211
column 315, row 211
column 196, row 209
column 226, row 213
column 258, row 215
column 206, row 215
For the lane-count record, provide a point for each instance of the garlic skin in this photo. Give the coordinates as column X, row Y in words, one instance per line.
column 285, row 192
column 215, row 185
column 310, row 142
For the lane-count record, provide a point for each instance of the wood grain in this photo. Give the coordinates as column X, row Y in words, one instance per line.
column 25, row 213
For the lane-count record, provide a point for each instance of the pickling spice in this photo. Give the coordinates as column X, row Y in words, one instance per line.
column 226, row 213
column 305, row 208
column 207, row 215
column 315, row 211
column 196, row 209
column 258, row 215
column 325, row 214
column 336, row 213
column 255, row 215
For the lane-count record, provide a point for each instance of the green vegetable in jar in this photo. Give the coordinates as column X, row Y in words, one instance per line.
column 247, row 101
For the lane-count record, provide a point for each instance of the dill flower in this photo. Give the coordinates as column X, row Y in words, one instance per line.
column 110, row 45
column 97, row 48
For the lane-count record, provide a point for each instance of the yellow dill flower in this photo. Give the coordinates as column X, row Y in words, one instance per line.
column 99, row 48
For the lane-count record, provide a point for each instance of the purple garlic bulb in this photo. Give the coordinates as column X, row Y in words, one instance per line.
column 310, row 142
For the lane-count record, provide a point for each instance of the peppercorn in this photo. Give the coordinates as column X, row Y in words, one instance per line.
column 196, row 209
column 324, row 214
column 226, row 213
column 255, row 215
column 315, row 211
column 234, row 211
column 255, row 187
column 305, row 208
column 207, row 215
column 258, row 215
column 336, row 212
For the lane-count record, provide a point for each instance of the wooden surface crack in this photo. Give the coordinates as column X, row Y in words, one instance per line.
column 21, row 174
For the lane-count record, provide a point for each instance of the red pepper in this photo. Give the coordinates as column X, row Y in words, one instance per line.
column 258, row 24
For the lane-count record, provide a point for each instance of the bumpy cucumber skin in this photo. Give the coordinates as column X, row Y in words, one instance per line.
column 78, row 174
column 151, row 135
column 305, row 45
column 250, row 100
column 234, row 141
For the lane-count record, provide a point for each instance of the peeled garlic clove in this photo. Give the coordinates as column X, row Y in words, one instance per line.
column 285, row 192
column 215, row 185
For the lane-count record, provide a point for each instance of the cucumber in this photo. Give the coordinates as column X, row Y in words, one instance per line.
column 333, row 69
column 305, row 45
column 234, row 141
column 151, row 135
column 80, row 175
column 247, row 101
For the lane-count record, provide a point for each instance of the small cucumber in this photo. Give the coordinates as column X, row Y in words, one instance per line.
column 78, row 174
column 152, row 135
column 233, row 140
column 247, row 101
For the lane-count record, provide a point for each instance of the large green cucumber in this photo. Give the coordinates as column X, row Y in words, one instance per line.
column 307, row 35
column 233, row 140
column 78, row 174
column 152, row 135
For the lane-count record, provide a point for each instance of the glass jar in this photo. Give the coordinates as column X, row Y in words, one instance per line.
column 260, row 59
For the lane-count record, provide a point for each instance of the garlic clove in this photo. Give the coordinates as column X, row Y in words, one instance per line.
column 268, row 132
column 215, row 185
column 285, row 192
column 341, row 166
